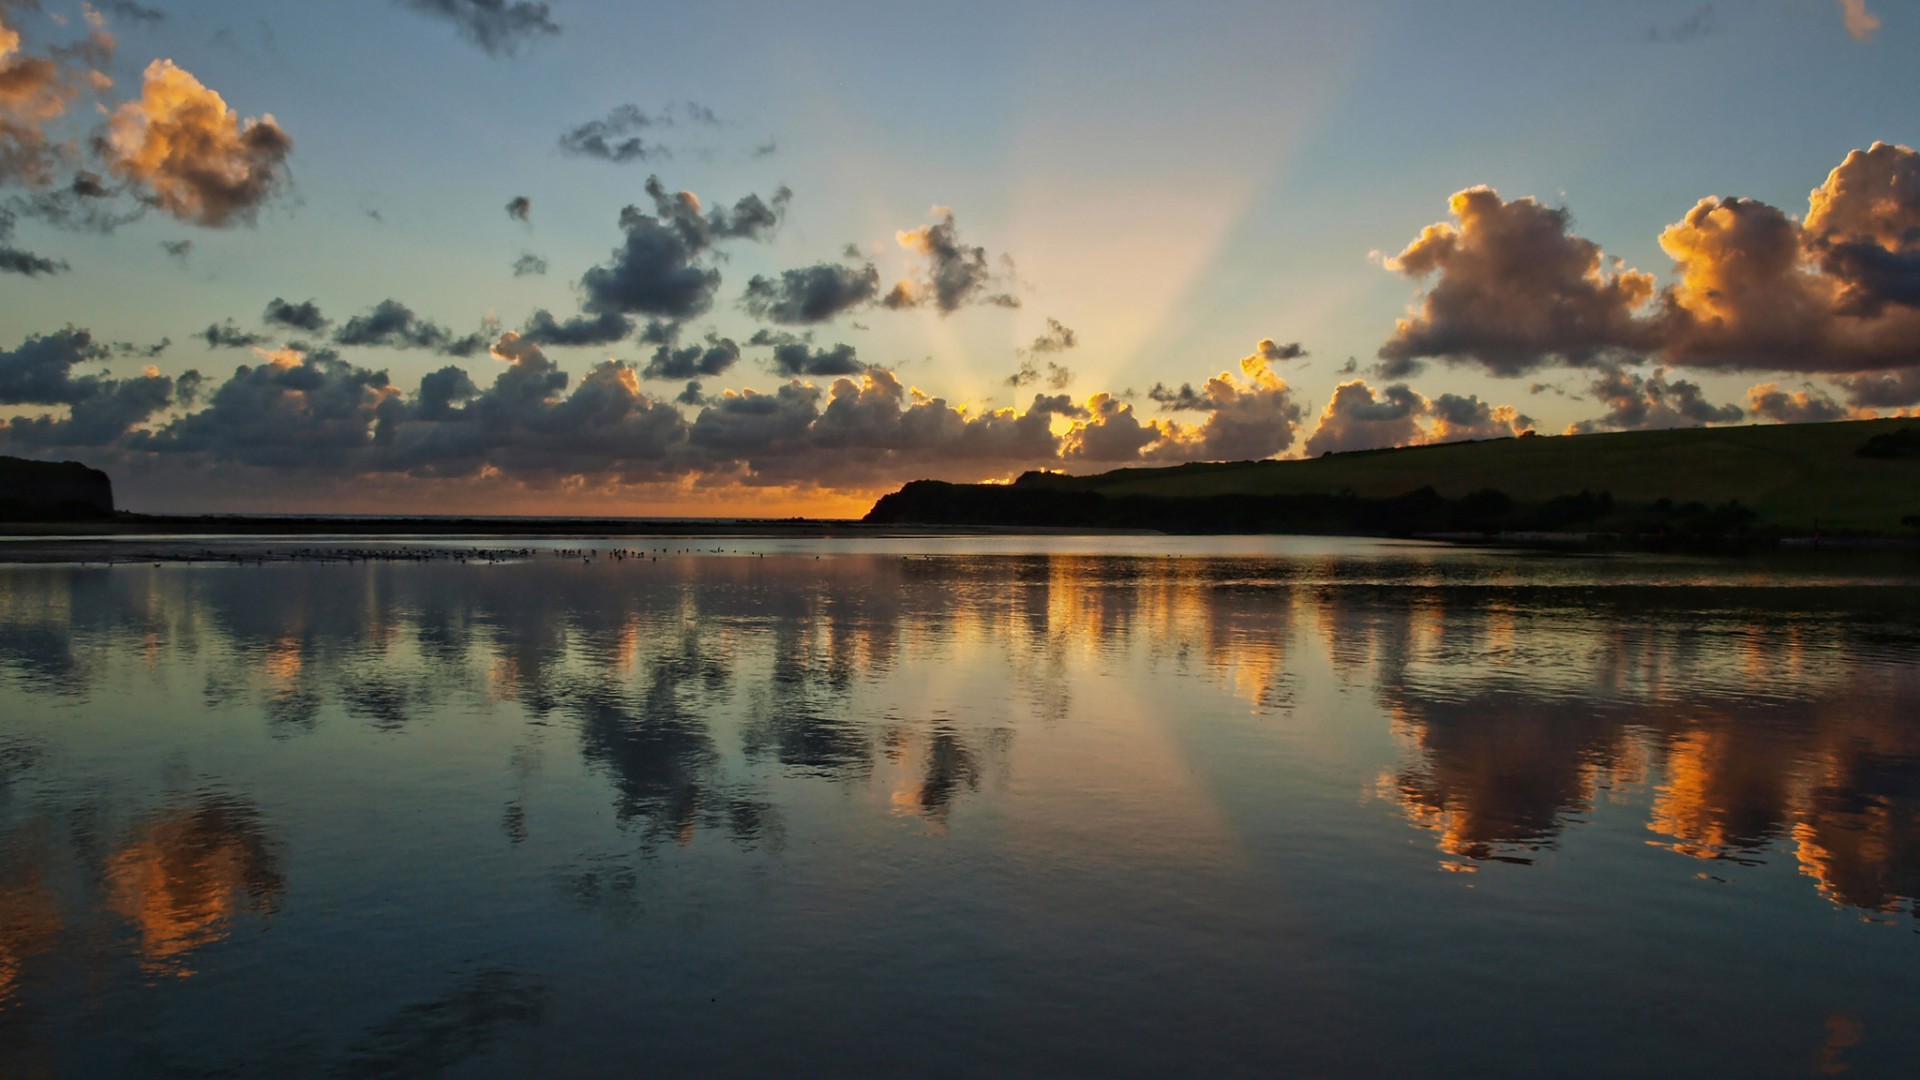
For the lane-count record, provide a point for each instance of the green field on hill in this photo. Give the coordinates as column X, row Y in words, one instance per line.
column 1795, row 477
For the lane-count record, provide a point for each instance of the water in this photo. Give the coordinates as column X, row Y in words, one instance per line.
column 1028, row 806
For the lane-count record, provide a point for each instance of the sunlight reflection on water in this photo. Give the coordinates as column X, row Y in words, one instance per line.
column 1032, row 805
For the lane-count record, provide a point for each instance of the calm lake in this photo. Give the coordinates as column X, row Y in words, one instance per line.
column 1008, row 806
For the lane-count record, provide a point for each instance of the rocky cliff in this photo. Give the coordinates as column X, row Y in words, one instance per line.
column 53, row 491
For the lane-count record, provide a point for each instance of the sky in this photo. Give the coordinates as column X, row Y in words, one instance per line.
column 605, row 258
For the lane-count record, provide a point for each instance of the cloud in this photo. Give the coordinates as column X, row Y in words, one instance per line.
column 1885, row 389
column 127, row 9
column 228, row 336
column 956, row 274
column 716, row 357
column 1636, row 402
column 1359, row 417
column 194, row 157
column 1861, row 23
column 100, row 409
column 393, row 325
column 500, row 27
column 302, row 316
column 15, row 260
column 1057, row 338
column 659, row 269
column 520, row 208
column 812, row 294
column 541, row 329
column 529, row 265
column 1768, row 402
column 1514, row 289
column 1056, row 376
column 177, row 250
column 1701, row 22
column 312, row 417
column 798, row 359
column 35, row 91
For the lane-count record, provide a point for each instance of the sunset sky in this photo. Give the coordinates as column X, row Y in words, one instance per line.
column 599, row 257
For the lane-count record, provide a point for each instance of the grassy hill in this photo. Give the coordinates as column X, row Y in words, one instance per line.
column 1794, row 477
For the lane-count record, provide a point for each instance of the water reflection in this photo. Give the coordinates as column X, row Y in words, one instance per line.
column 1084, row 711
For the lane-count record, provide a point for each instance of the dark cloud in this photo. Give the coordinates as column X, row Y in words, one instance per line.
column 100, row 409
column 393, row 325
column 302, row 316
column 542, row 329
column 769, row 338
column 529, row 265
column 613, row 139
column 692, row 395
column 520, row 208
column 14, row 260
column 798, row 359
column 177, row 249
column 1810, row 405
column 192, row 156
column 715, row 357
column 1636, row 402
column 660, row 270
column 956, row 273
column 1457, row 418
column 1029, row 373
column 1700, row 22
column 442, row 393
column 228, row 336
column 1057, row 338
column 1884, row 389
column 500, row 27
column 127, row 9
column 295, row 410
column 812, row 294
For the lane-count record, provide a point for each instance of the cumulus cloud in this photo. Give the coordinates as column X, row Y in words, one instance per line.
column 1884, row 389
column 1514, row 289
column 715, row 357
column 812, row 294
column 500, row 27
column 99, row 409
column 529, row 265
column 660, row 269
column 15, row 260
column 191, row 155
column 1359, row 417
column 394, row 325
column 305, row 315
column 228, row 336
column 1811, row 405
column 796, row 358
column 520, row 208
column 956, row 274
column 1637, row 402
column 543, row 329
column 37, row 90
column 312, row 413
column 1860, row 23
